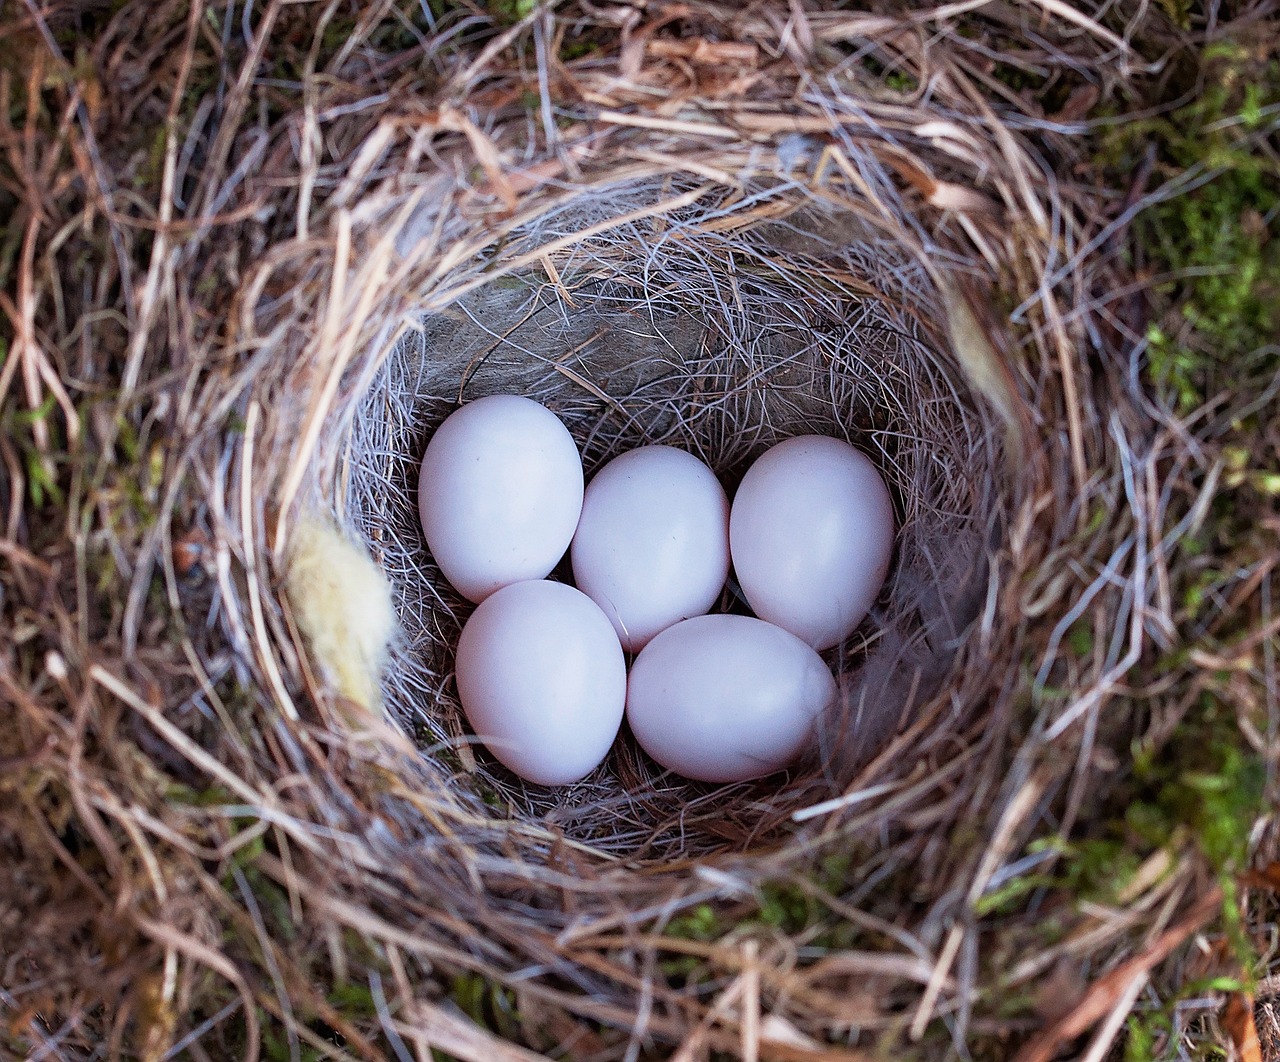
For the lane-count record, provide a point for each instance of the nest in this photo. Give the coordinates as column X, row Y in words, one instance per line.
column 689, row 225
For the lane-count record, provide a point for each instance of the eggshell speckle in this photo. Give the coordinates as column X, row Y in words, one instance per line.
column 499, row 494
column 726, row 698
column 542, row 680
column 652, row 546
column 811, row 535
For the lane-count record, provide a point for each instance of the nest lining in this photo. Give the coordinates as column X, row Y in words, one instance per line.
column 720, row 333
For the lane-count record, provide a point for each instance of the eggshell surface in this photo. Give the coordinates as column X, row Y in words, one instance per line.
column 542, row 680
column 811, row 534
column 499, row 493
column 652, row 545
column 726, row 698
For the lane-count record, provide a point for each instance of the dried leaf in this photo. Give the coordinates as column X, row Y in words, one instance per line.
column 776, row 1029
column 705, row 52
column 189, row 550
column 1078, row 104
column 1237, row 1020
column 1267, row 877
column 986, row 370
column 948, row 196
column 1060, row 992
column 486, row 153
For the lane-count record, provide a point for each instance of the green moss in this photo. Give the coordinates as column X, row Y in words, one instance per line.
column 701, row 924
column 1178, row 12
column 46, row 467
column 151, row 171
column 901, row 82
column 511, row 11
column 1080, row 637
column 177, row 793
column 243, row 858
column 1095, row 869
column 898, row 80
column 353, row 1001
column 1203, row 780
column 678, row 969
column 1099, row 868
column 270, row 896
column 1203, row 787
column 277, row 1048
column 1214, row 252
column 788, row 908
column 1008, row 897
column 1208, row 785
column 577, row 49
column 1143, row 1031
column 1220, row 241
column 489, row 1005
column 1149, row 1032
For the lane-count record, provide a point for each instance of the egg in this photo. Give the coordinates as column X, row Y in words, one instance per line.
column 652, row 545
column 811, row 535
column 499, row 493
column 726, row 698
column 542, row 680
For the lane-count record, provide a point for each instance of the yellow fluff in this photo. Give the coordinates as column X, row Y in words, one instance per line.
column 342, row 603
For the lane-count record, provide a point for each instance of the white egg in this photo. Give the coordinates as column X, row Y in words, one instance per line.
column 726, row 698
column 499, row 493
column 652, row 546
column 542, row 680
column 811, row 535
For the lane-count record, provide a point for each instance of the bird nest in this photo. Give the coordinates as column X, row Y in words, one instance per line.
column 681, row 224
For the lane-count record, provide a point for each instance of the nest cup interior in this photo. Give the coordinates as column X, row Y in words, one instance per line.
column 720, row 328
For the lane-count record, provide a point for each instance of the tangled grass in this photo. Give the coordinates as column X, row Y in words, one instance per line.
column 234, row 229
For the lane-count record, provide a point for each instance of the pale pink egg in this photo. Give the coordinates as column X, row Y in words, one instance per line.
column 542, row 680
column 499, row 494
column 652, row 545
column 727, row 698
column 811, row 534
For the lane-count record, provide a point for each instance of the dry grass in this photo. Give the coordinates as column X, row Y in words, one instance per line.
column 232, row 224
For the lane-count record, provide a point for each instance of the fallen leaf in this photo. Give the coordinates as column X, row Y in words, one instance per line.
column 189, row 550
column 945, row 195
column 1237, row 1020
column 1059, row 993
column 775, row 1029
column 705, row 52
column 1266, row 878
column 1078, row 104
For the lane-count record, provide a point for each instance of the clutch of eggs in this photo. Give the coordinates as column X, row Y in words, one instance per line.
column 541, row 668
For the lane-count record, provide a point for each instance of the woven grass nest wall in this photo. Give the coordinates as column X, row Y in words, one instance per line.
column 266, row 250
